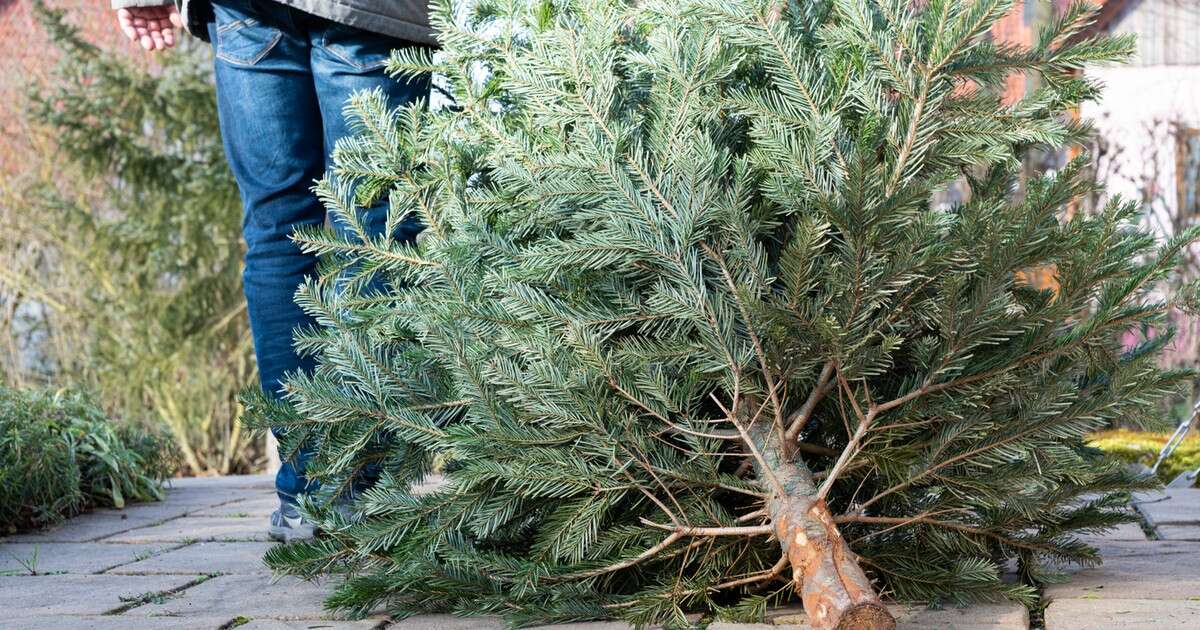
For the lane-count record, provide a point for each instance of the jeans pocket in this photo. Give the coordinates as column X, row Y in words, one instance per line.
column 362, row 50
column 241, row 39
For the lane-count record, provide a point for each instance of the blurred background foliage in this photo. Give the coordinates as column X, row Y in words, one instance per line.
column 1141, row 447
column 126, row 278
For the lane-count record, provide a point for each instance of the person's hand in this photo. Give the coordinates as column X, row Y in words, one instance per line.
column 152, row 27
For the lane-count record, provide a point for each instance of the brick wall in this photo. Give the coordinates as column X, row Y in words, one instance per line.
column 1020, row 26
column 26, row 57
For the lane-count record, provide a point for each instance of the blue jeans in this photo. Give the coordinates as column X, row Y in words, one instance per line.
column 282, row 78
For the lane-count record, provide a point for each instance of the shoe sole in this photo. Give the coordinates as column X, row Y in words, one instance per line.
column 287, row 535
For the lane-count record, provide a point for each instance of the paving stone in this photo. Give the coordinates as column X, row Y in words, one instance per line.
column 101, row 523
column 785, row 615
column 157, row 511
column 1124, row 531
column 205, row 557
column 253, row 507
column 53, row 557
column 1121, row 548
column 1178, row 532
column 178, row 503
column 197, row 528
column 30, row 596
column 251, row 596
column 1136, row 570
column 229, row 481
column 85, row 528
column 111, row 622
column 200, row 497
column 1005, row 616
column 1173, row 506
column 280, row 624
column 1136, row 614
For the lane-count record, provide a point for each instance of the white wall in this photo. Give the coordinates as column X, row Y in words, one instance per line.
column 1134, row 117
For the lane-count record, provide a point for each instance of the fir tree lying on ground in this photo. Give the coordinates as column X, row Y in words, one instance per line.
column 694, row 331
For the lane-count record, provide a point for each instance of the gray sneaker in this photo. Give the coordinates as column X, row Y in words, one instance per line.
column 287, row 525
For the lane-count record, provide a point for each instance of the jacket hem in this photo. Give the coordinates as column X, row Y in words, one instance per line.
column 127, row 4
column 198, row 13
column 357, row 17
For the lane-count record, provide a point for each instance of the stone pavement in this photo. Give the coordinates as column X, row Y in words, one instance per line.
column 1143, row 582
column 194, row 561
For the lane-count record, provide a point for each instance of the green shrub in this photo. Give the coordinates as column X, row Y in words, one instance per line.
column 59, row 455
column 1141, row 447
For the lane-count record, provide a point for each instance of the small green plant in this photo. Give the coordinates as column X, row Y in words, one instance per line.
column 60, row 454
column 157, row 597
column 152, row 597
column 29, row 565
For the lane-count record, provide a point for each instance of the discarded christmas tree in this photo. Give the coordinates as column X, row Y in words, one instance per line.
column 693, row 331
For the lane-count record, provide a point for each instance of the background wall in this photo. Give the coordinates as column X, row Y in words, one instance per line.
column 26, row 56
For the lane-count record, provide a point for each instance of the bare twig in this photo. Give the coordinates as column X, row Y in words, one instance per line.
column 755, row 530
column 625, row 564
column 760, row 353
column 864, row 424
column 769, row 574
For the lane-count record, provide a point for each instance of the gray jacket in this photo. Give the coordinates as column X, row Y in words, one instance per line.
column 403, row 19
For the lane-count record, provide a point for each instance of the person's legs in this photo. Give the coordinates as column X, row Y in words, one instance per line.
column 271, row 127
column 283, row 78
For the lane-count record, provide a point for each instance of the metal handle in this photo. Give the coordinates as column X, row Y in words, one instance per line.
column 1176, row 438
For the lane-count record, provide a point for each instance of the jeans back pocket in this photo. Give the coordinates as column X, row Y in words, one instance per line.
column 241, row 39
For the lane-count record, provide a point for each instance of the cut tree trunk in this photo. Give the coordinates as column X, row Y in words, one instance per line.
column 836, row 593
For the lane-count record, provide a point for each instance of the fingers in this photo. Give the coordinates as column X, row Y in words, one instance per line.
column 125, row 22
column 155, row 29
column 152, row 28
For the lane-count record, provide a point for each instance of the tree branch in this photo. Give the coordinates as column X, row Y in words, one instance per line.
column 797, row 421
column 683, row 530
